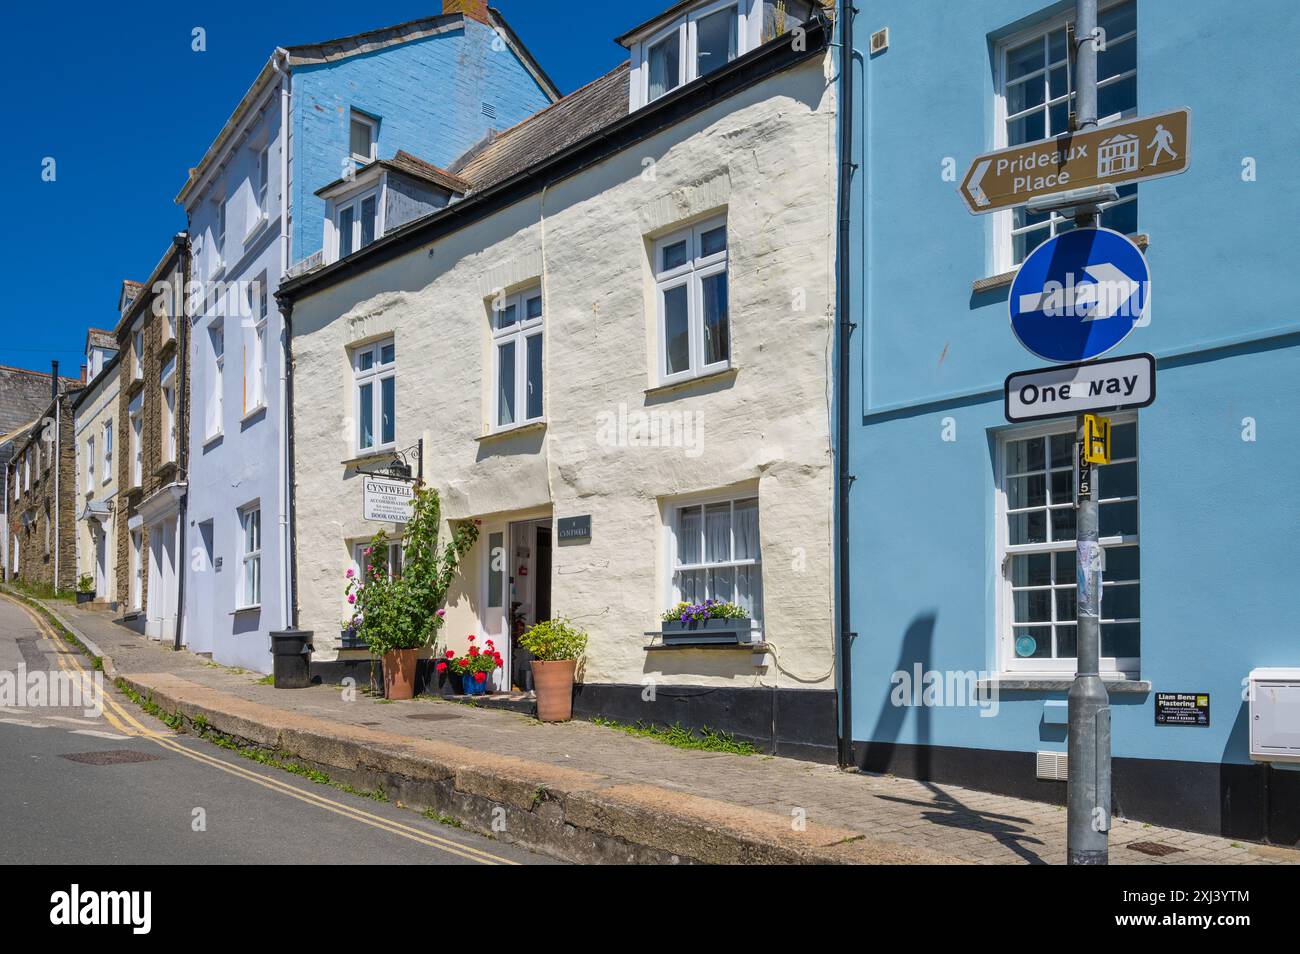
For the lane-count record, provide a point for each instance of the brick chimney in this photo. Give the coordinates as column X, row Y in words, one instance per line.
column 474, row 9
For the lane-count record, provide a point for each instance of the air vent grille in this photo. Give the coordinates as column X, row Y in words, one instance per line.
column 1054, row 766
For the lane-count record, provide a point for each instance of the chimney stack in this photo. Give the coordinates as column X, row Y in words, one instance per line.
column 474, row 9
column 54, row 380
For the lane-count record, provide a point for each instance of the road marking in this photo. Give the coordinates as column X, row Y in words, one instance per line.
column 27, row 722
column 71, row 720
column 311, row 798
column 99, row 735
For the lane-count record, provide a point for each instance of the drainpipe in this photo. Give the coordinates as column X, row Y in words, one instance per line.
column 58, row 426
column 844, row 329
column 182, row 242
column 288, row 557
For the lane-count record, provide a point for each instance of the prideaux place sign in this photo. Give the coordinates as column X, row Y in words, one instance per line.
column 1114, row 154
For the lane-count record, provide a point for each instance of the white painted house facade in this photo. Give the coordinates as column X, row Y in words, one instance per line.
column 614, row 349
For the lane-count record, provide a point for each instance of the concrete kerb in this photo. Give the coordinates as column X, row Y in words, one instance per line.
column 578, row 816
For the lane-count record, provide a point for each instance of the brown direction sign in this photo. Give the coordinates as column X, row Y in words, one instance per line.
column 1129, row 151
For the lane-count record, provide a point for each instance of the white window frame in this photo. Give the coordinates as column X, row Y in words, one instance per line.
column 107, row 470
column 220, row 236
column 354, row 204
column 255, row 369
column 691, row 274
column 216, row 409
column 27, row 471
column 137, row 354
column 395, row 549
column 749, row 20
column 262, row 182
column 1004, row 220
column 675, row 506
column 168, row 396
column 134, row 570
column 250, row 551
column 375, row 375
column 1008, row 662
column 356, row 116
column 90, row 463
column 518, row 334
column 135, row 417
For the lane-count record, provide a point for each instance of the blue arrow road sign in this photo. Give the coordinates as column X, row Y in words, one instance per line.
column 1079, row 294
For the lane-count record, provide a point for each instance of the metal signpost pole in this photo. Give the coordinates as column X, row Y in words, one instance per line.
column 1089, row 703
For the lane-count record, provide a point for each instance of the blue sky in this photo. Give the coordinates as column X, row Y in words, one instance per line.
column 114, row 94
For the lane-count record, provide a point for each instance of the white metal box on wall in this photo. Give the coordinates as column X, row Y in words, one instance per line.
column 1275, row 715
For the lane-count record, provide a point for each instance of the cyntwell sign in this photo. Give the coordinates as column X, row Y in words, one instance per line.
column 1079, row 294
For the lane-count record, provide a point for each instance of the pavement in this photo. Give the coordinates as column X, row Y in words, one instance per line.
column 81, row 786
column 588, row 793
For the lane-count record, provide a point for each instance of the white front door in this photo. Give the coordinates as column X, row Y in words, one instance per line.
column 133, row 571
column 495, row 618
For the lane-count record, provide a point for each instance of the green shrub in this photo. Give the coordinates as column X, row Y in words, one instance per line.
column 554, row 639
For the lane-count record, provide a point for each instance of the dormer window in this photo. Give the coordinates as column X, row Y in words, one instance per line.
column 667, row 54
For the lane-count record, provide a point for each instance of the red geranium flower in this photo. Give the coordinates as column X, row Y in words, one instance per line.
column 471, row 637
column 480, row 677
column 441, row 667
column 450, row 654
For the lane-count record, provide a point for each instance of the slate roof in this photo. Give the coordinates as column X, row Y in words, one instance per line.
column 99, row 338
column 576, row 116
column 409, row 165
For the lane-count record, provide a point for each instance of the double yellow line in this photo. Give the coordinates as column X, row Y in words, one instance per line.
column 126, row 723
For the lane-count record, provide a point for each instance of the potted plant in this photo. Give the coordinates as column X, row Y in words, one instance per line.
column 85, row 588
column 398, row 614
column 713, row 621
column 474, row 669
column 556, row 646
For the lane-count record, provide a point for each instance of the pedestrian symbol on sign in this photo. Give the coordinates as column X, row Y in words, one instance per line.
column 1163, row 142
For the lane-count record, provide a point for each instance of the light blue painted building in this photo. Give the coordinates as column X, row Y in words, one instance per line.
column 960, row 530
column 315, row 115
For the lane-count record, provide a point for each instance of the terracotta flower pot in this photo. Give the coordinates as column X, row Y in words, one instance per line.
column 399, row 674
column 553, row 680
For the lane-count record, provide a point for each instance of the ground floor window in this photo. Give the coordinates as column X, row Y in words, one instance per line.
column 388, row 558
column 1037, row 549
column 716, row 553
column 250, row 582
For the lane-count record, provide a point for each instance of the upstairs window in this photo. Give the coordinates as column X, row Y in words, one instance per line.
column 90, row 464
column 356, row 223
column 216, row 378
column 517, row 359
column 136, row 417
column 167, row 386
column 221, row 233
column 255, row 355
column 691, row 292
column 137, row 354
column 692, row 46
column 1036, row 95
column 263, row 180
column 108, row 452
column 374, row 371
column 363, row 137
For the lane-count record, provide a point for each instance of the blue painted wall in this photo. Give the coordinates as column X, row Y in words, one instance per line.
column 428, row 96
column 1219, row 547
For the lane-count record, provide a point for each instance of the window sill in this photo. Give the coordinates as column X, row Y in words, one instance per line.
column 252, row 412
column 259, row 226
column 212, row 439
column 759, row 647
column 256, row 608
column 532, row 427
column 164, row 467
column 712, row 377
column 1058, row 682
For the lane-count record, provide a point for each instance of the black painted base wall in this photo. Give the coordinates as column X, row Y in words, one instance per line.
column 795, row 723
column 1250, row 802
